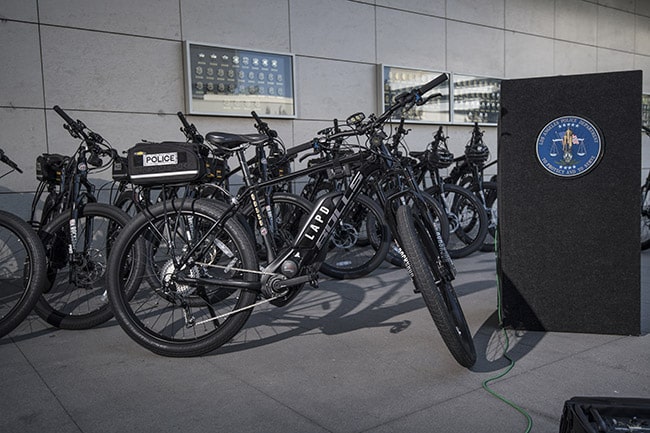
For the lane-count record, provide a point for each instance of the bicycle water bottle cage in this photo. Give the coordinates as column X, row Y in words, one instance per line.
column 234, row 142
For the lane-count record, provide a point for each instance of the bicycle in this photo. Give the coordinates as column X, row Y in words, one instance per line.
column 645, row 206
column 468, row 220
column 22, row 265
column 77, row 232
column 338, row 177
column 211, row 280
column 469, row 173
column 350, row 254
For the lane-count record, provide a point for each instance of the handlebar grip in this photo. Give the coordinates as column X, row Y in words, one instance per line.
column 4, row 158
column 433, row 83
column 300, row 148
column 183, row 119
column 256, row 117
column 263, row 127
column 64, row 115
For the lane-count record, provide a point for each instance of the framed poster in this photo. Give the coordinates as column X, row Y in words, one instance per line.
column 395, row 80
column 227, row 81
column 476, row 99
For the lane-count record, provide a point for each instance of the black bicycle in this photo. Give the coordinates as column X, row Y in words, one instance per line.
column 469, row 173
column 468, row 220
column 645, row 206
column 77, row 232
column 210, row 279
column 360, row 240
column 22, row 265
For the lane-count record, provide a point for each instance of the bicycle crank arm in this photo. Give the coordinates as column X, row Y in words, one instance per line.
column 298, row 280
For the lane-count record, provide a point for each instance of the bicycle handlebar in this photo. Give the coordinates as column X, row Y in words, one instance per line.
column 93, row 140
column 263, row 127
column 299, row 148
column 433, row 83
column 413, row 96
column 189, row 130
column 4, row 158
column 65, row 116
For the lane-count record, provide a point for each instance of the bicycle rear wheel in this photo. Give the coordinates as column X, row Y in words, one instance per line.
column 468, row 220
column 76, row 295
column 22, row 271
column 417, row 241
column 359, row 242
column 204, row 289
column 489, row 199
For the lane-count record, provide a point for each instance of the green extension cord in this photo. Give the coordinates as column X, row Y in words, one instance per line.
column 505, row 355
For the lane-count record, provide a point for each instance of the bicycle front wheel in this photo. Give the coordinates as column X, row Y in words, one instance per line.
column 442, row 225
column 75, row 296
column 645, row 217
column 204, row 286
column 22, row 271
column 417, row 241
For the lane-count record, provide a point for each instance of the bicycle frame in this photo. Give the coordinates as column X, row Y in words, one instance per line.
column 299, row 263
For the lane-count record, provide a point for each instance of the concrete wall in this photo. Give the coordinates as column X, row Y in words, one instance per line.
column 118, row 64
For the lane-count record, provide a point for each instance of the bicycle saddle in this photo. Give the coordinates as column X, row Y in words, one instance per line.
column 228, row 141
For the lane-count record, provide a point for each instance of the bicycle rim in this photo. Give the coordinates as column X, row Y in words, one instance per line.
column 171, row 313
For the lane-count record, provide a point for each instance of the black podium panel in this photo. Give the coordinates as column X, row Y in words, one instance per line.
column 569, row 208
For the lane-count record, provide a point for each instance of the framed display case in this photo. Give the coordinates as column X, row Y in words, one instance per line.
column 229, row 81
column 395, row 80
column 465, row 98
column 476, row 99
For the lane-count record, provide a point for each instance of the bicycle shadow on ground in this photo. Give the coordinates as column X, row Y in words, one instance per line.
column 338, row 307
column 32, row 327
column 491, row 341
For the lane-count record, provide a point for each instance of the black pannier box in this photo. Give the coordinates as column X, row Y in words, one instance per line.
column 167, row 162
column 49, row 167
column 120, row 169
column 605, row 415
column 218, row 168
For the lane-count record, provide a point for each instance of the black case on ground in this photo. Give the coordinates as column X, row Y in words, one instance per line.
column 605, row 415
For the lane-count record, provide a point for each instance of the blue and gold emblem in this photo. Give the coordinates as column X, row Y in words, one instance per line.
column 569, row 146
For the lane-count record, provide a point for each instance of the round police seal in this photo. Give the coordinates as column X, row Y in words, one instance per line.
column 569, row 146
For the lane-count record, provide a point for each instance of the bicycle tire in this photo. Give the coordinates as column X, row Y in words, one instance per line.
column 23, row 275
column 438, row 294
column 125, row 201
column 395, row 258
column 350, row 255
column 490, row 196
column 154, row 317
column 468, row 220
column 645, row 217
column 76, row 298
